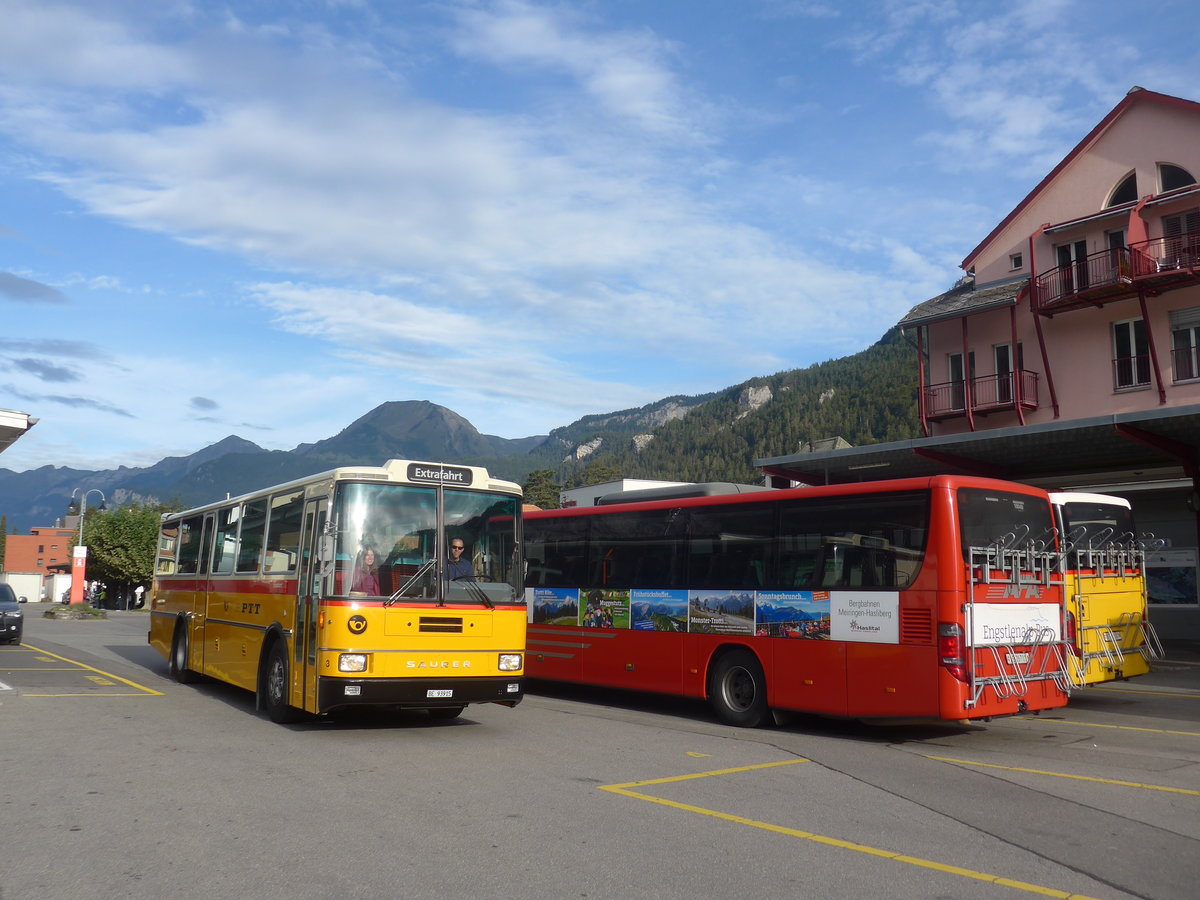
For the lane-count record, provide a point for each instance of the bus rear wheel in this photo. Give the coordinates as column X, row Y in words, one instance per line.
column 738, row 691
column 179, row 656
column 274, row 688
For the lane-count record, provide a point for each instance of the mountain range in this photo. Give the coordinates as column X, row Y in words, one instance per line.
column 864, row 398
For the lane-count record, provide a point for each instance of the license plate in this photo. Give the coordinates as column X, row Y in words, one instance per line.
column 430, row 695
column 1017, row 659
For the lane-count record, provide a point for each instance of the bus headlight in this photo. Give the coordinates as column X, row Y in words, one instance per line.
column 510, row 662
column 352, row 662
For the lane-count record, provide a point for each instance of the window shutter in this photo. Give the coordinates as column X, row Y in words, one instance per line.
column 1185, row 318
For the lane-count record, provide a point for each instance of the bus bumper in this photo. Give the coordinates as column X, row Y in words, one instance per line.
column 418, row 693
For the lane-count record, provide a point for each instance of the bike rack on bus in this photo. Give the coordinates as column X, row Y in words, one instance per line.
column 1046, row 658
column 1123, row 557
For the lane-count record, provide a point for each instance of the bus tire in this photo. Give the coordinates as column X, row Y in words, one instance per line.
column 275, row 683
column 738, row 691
column 178, row 664
column 445, row 713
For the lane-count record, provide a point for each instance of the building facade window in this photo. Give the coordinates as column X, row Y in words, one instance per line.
column 1125, row 192
column 1185, row 341
column 1131, row 355
column 1172, row 177
column 1015, row 261
column 958, row 378
column 1181, row 239
column 1005, row 374
column 1072, row 265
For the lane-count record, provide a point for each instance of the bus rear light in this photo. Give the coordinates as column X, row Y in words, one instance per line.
column 1071, row 634
column 509, row 662
column 950, row 649
column 352, row 662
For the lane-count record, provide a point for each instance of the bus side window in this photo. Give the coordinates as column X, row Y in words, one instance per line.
column 831, row 567
column 798, row 570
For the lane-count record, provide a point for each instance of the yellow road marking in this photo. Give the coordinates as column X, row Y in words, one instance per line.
column 132, row 684
column 623, row 790
column 89, row 694
column 1136, row 784
column 1118, row 727
column 692, row 753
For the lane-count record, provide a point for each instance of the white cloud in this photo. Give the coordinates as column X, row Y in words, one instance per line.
column 62, row 46
column 625, row 72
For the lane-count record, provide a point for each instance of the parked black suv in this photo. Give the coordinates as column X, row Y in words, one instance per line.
column 12, row 620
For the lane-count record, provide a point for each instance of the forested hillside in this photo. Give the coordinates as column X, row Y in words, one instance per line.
column 866, row 398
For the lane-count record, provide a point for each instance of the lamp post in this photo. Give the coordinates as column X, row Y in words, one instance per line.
column 79, row 556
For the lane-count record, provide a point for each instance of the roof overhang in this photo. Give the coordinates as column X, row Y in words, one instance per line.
column 13, row 424
column 1142, row 446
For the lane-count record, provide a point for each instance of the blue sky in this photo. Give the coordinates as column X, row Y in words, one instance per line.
column 265, row 219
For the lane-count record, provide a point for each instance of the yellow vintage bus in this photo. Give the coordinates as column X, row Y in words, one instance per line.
column 1105, row 577
column 392, row 586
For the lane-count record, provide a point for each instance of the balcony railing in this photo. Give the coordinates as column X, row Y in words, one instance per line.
column 1116, row 274
column 1131, row 372
column 989, row 393
column 1186, row 362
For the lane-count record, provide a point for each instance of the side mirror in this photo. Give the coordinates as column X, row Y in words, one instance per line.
column 326, row 555
column 325, row 549
column 22, row 599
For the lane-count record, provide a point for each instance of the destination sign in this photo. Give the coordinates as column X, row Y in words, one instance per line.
column 428, row 474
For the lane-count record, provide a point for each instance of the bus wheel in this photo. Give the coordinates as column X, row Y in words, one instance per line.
column 738, row 692
column 445, row 713
column 275, row 683
column 178, row 664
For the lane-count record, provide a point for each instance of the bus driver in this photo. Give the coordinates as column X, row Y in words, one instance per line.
column 457, row 568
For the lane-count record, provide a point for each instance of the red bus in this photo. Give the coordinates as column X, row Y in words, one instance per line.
column 915, row 599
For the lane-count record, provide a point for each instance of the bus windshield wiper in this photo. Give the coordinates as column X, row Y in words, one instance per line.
column 412, row 579
column 479, row 594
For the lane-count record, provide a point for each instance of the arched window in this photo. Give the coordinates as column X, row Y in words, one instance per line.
column 1171, row 177
column 1125, row 192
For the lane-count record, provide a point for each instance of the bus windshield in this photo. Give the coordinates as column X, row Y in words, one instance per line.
column 388, row 542
column 1003, row 520
column 1089, row 525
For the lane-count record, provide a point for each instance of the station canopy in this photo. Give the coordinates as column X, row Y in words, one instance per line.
column 1142, row 446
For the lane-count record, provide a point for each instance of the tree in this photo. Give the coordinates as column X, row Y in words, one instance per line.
column 541, row 489
column 121, row 547
column 599, row 471
column 3, row 539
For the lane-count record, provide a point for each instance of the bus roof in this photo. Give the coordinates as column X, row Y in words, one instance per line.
column 678, row 491
column 394, row 471
column 925, row 482
column 1060, row 497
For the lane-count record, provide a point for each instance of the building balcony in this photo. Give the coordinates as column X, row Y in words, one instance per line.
column 1162, row 264
column 988, row 394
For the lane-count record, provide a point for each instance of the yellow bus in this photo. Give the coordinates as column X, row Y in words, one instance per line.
column 393, row 586
column 1104, row 571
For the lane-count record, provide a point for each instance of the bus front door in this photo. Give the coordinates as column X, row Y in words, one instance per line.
column 308, row 594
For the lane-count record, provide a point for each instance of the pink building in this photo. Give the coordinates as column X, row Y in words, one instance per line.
column 1068, row 355
column 1085, row 300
